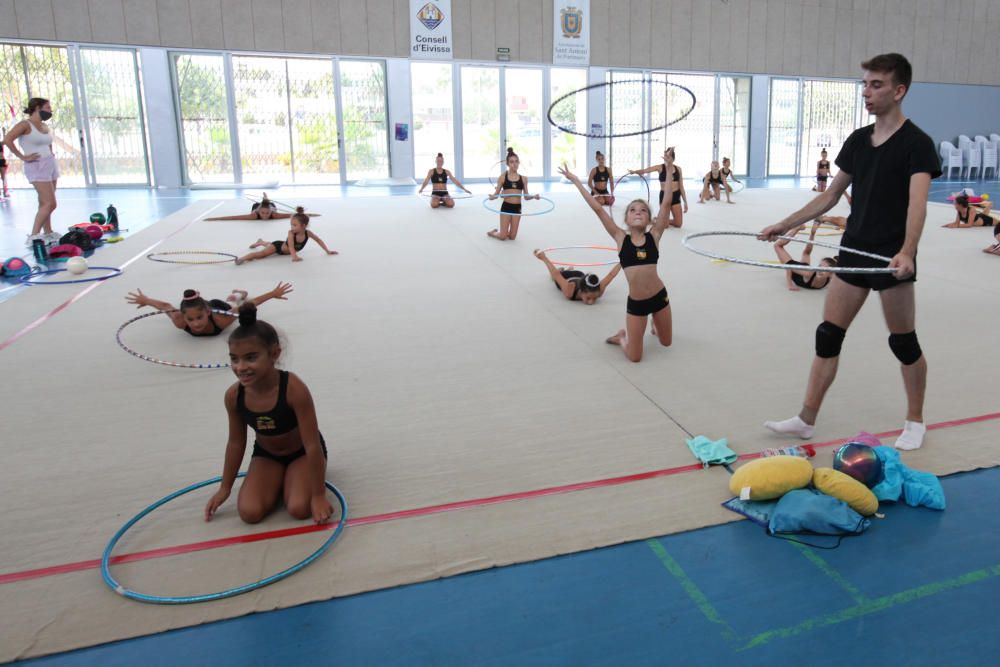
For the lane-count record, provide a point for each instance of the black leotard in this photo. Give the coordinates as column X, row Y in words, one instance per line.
column 439, row 179
column 824, row 164
column 600, row 177
column 712, row 179
column 278, row 420
column 676, row 198
column 216, row 329
column 799, row 280
column 296, row 244
column 647, row 253
column 572, row 276
column 986, row 220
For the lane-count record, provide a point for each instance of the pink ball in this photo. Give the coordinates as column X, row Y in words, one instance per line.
column 94, row 231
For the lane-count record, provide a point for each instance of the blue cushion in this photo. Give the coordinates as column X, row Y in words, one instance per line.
column 808, row 511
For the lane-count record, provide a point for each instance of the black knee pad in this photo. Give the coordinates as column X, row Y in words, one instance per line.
column 829, row 339
column 906, row 347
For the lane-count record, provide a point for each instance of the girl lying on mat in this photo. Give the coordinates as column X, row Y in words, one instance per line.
column 296, row 240
column 980, row 214
column 638, row 253
column 289, row 455
column 196, row 316
column 803, row 278
column 577, row 285
column 265, row 209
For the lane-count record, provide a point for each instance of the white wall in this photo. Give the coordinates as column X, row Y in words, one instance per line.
column 947, row 42
column 164, row 141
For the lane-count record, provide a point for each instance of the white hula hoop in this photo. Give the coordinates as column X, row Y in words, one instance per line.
column 552, row 205
column 767, row 265
column 582, row 247
column 429, row 195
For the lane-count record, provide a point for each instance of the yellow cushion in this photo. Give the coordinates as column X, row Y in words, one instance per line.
column 771, row 477
column 844, row 487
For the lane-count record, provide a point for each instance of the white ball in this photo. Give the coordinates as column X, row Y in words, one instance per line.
column 76, row 265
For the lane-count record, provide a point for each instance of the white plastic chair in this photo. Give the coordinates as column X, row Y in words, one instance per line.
column 995, row 137
column 989, row 160
column 972, row 156
column 951, row 158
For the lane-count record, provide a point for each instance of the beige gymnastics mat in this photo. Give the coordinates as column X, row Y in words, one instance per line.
column 445, row 368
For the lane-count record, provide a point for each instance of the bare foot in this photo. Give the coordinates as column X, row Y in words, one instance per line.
column 240, row 260
column 617, row 338
column 257, row 244
column 652, row 328
column 729, row 201
column 495, row 235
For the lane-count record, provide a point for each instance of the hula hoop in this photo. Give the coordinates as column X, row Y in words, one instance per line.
column 644, row 180
column 767, row 265
column 464, row 195
column 552, row 206
column 586, row 247
column 146, row 357
column 288, row 208
column 155, row 257
column 742, row 185
column 606, row 84
column 30, row 278
column 229, row 592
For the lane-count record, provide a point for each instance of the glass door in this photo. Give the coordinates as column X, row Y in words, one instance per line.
column 829, row 109
column 524, row 115
column 433, row 127
column 783, row 128
column 365, row 121
column 115, row 128
column 566, row 147
column 481, row 124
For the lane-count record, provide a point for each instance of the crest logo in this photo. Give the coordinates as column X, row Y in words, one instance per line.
column 430, row 16
column 571, row 22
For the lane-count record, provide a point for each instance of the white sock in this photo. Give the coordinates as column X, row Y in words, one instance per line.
column 912, row 436
column 792, row 426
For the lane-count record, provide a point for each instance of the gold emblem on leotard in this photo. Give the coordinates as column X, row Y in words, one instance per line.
column 265, row 424
column 640, row 253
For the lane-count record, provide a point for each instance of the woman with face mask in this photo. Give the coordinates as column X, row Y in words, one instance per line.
column 39, row 163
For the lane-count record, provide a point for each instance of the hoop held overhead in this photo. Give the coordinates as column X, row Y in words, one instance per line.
column 155, row 257
column 146, row 357
column 229, row 592
column 606, row 84
column 552, row 205
column 584, row 247
column 30, row 278
column 819, row 268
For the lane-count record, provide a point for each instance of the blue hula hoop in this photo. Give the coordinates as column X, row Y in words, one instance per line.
column 28, row 279
column 552, row 206
column 230, row 592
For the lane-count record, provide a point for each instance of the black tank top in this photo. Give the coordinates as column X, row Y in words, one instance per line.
column 663, row 174
column 600, row 176
column 713, row 179
column 647, row 253
column 300, row 246
column 512, row 185
column 278, row 420
column 824, row 164
column 216, row 329
column 441, row 178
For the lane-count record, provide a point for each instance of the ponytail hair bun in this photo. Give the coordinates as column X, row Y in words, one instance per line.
column 598, row 154
column 440, row 156
column 300, row 216
column 190, row 293
column 192, row 299
column 248, row 315
column 510, row 151
column 300, row 210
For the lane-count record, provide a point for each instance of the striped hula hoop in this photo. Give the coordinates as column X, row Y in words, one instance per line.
column 175, row 364
column 767, row 265
column 584, row 247
column 155, row 257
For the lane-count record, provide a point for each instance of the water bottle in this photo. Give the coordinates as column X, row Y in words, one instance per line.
column 113, row 217
column 805, row 451
column 38, row 248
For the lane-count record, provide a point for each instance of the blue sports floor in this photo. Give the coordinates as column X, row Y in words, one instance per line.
column 919, row 588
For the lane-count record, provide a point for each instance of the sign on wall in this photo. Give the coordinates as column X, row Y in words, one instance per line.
column 430, row 29
column 571, row 32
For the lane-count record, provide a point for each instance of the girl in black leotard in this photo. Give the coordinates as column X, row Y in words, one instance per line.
column 728, row 173
column 577, row 285
column 638, row 253
column 676, row 187
column 796, row 278
column 714, row 180
column 196, row 315
column 296, row 240
column 963, row 212
column 264, row 209
column 602, row 182
column 822, row 172
column 289, row 456
column 510, row 182
column 439, row 176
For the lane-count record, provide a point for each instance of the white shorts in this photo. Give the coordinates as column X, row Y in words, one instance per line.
column 42, row 170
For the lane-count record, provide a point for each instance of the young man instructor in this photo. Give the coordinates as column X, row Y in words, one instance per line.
column 890, row 165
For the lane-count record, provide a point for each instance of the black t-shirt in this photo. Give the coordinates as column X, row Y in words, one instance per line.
column 880, row 178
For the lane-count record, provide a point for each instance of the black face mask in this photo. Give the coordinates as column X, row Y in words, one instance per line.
column 45, row 115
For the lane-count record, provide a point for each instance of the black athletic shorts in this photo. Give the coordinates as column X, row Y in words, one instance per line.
column 874, row 281
column 511, row 208
column 285, row 459
column 653, row 304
